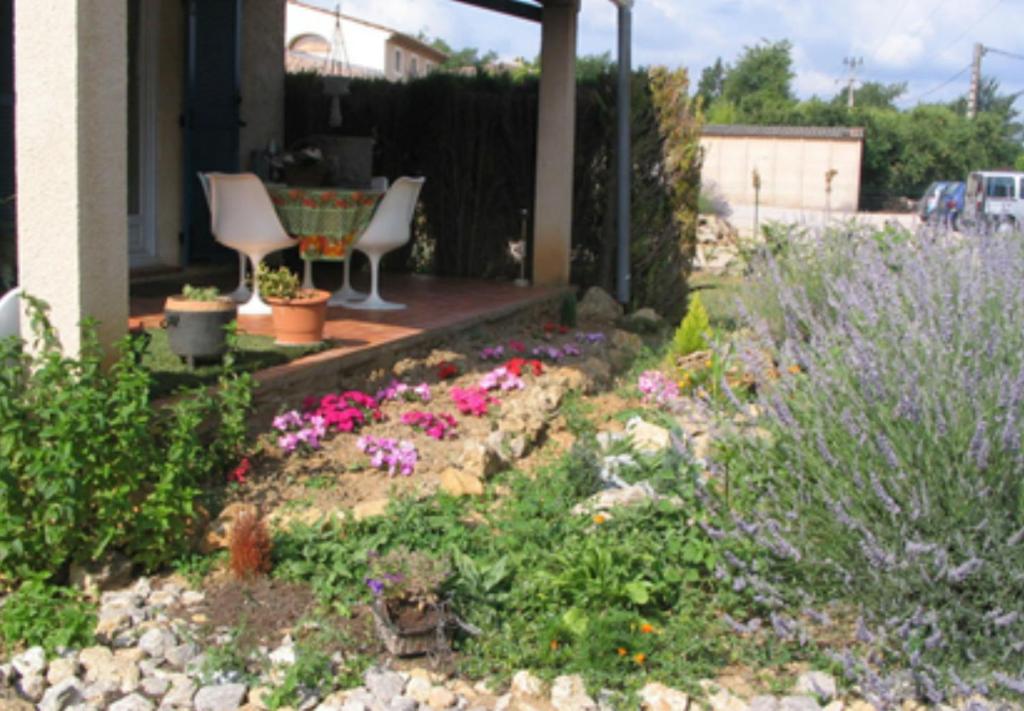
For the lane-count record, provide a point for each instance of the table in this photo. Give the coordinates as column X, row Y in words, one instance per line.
column 327, row 222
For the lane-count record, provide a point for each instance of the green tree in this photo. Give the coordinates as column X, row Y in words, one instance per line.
column 760, row 83
column 874, row 94
column 712, row 77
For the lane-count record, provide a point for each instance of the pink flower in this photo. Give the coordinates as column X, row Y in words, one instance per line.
column 472, row 401
column 239, row 473
column 437, row 426
column 517, row 346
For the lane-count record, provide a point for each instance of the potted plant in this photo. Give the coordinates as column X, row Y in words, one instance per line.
column 409, row 614
column 195, row 321
column 299, row 314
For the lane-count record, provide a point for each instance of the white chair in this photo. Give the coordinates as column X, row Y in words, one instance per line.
column 243, row 218
column 242, row 292
column 10, row 313
column 389, row 229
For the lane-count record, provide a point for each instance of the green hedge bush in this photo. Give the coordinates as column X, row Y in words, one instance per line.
column 88, row 463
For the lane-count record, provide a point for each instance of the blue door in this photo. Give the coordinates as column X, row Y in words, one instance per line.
column 8, row 266
column 212, row 114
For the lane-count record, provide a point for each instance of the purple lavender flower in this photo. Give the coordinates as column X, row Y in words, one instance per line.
column 376, row 586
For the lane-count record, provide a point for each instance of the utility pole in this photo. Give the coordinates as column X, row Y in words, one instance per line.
column 852, row 64
column 972, row 99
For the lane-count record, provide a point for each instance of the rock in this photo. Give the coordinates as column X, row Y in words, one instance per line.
column 598, row 371
column 839, row 706
column 31, row 686
column 817, row 684
column 403, row 703
column 608, row 499
column 479, row 460
column 31, row 662
column 525, row 684
column 798, row 703
column 283, row 655
column 15, row 704
column 220, row 697
column 598, row 305
column 369, row 509
column 132, row 702
column 441, row 698
column 156, row 642
column 259, row 696
column 658, row 697
column 112, row 571
column 219, row 532
column 459, row 483
column 383, row 684
column 623, row 349
column 118, row 670
column 763, row 703
column 720, row 699
column 67, row 692
column 418, row 689
column 162, row 598
column 181, row 655
column 182, row 691
column 155, row 686
column 569, row 693
column 645, row 320
column 647, row 438
column 60, row 669
column 192, row 597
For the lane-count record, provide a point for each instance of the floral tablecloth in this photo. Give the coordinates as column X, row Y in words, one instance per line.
column 326, row 221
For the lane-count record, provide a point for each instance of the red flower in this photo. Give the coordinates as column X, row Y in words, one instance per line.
column 517, row 346
column 446, row 370
column 239, row 473
column 516, row 366
column 550, row 327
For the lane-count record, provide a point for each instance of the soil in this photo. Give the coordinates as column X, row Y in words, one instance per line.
column 263, row 609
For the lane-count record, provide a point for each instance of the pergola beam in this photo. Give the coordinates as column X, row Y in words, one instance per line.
column 522, row 10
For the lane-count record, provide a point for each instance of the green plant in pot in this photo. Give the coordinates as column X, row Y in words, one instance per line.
column 299, row 314
column 196, row 320
column 410, row 615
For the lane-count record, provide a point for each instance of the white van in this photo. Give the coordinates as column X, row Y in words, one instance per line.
column 994, row 199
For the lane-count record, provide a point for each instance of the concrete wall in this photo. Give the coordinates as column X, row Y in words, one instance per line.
column 263, row 33
column 71, row 120
column 792, row 170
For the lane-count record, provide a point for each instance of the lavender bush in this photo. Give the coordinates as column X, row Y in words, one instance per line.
column 890, row 489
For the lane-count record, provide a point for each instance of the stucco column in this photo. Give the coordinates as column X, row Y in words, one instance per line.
column 71, row 86
column 556, row 131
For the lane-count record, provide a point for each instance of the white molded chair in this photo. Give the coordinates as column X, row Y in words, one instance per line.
column 389, row 229
column 341, row 297
column 242, row 292
column 10, row 313
column 243, row 218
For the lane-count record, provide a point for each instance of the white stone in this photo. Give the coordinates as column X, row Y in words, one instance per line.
column 65, row 693
column 283, row 655
column 647, row 438
column 817, row 684
column 182, row 691
column 798, row 703
column 658, row 697
column 155, row 686
column 220, row 697
column 162, row 598
column 403, row 703
column 418, row 689
column 132, row 702
column 60, row 669
column 840, row 706
column 720, row 699
column 763, row 703
column 156, row 642
column 569, row 693
column 525, row 684
column 181, row 655
column 441, row 698
column 31, row 662
column 192, row 597
column 385, row 685
column 31, row 686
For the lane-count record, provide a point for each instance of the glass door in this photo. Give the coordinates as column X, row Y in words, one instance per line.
column 142, row 46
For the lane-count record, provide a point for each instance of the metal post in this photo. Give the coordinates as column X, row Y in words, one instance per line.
column 623, row 159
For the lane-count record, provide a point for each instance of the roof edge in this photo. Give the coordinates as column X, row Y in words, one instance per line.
column 849, row 133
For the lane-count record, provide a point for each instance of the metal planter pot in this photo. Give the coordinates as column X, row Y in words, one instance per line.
column 196, row 329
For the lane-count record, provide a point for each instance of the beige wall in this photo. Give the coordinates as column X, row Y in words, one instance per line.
column 263, row 45
column 792, row 170
column 170, row 99
column 71, row 113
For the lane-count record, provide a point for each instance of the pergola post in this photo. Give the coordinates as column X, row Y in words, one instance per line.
column 552, row 219
column 71, row 88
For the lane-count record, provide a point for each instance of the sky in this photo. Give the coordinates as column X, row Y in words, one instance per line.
column 926, row 43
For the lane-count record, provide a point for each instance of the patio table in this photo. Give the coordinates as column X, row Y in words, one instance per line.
column 327, row 222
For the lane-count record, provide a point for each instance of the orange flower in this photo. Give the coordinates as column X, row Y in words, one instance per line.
column 646, row 628
column 554, row 644
column 600, row 518
column 639, row 657
column 622, row 651
column 794, row 369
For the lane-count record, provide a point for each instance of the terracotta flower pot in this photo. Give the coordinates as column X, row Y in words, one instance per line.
column 300, row 321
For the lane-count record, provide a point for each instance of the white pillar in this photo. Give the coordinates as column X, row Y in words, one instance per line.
column 71, row 85
column 556, row 130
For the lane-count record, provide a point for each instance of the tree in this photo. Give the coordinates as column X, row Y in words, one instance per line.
column 709, row 88
column 759, row 84
column 874, row 94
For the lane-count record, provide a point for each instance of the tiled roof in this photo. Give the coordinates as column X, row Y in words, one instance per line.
column 833, row 132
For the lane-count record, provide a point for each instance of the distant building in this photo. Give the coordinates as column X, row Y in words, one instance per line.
column 336, row 44
column 792, row 162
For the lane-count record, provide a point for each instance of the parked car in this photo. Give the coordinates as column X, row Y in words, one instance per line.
column 994, row 200
column 929, row 203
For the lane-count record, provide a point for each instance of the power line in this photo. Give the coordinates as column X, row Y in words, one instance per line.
column 1011, row 55
column 943, row 84
column 977, row 22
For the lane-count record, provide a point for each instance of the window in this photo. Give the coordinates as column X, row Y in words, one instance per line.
column 398, row 61
column 413, row 67
column 1000, row 187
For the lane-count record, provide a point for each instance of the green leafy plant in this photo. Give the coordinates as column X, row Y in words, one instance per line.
column 311, row 672
column 91, row 464
column 200, row 293
column 567, row 311
column 280, row 283
column 50, row 616
column 694, row 331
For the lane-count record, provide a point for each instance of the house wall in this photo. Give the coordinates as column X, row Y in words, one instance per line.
column 792, row 170
column 364, row 44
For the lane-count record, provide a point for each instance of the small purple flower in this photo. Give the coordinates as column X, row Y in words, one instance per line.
column 376, row 586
